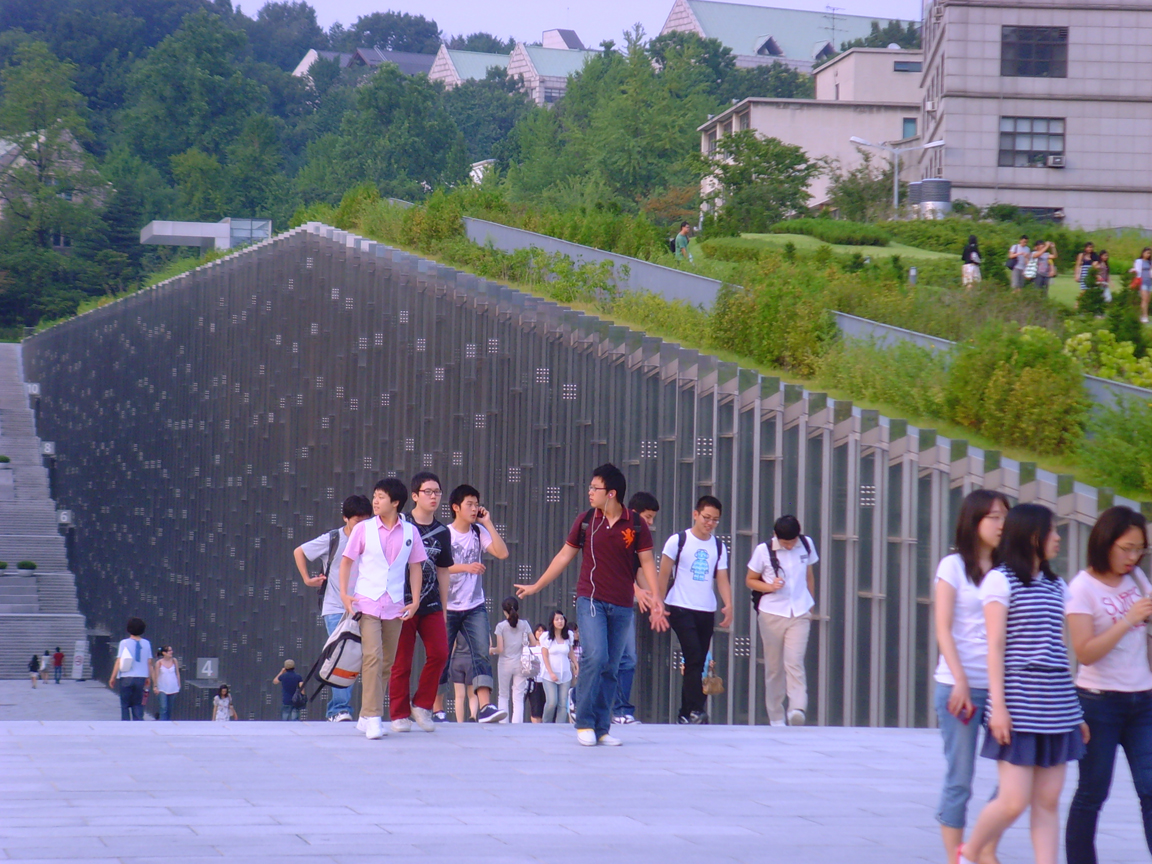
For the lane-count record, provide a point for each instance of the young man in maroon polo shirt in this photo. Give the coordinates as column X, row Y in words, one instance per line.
column 610, row 538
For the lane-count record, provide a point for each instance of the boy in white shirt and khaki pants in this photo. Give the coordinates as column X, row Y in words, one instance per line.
column 784, row 616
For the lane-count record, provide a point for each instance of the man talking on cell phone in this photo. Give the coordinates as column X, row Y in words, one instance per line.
column 473, row 534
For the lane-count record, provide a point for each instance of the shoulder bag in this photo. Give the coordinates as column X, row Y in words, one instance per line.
column 713, row 684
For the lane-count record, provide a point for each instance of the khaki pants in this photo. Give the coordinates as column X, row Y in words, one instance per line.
column 785, row 643
column 378, row 640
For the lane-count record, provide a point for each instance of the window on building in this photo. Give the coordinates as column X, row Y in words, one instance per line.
column 711, row 140
column 836, row 92
column 552, row 94
column 744, row 121
column 907, row 66
column 1044, row 214
column 1034, row 52
column 909, row 127
column 769, row 48
column 1027, row 142
column 60, row 241
column 726, row 128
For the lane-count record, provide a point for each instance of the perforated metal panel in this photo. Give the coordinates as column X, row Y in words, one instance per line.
column 208, row 426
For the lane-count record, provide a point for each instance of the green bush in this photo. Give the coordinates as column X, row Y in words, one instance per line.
column 906, row 376
column 440, row 218
column 1118, row 446
column 4, row 460
column 3, row 565
column 837, row 231
column 26, row 565
column 1019, row 388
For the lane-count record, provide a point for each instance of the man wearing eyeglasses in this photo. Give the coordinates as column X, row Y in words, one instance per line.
column 428, row 622
column 609, row 538
column 696, row 564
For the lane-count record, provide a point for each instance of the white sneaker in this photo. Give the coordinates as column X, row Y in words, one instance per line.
column 422, row 717
column 796, row 717
column 586, row 737
column 402, row 725
column 362, row 724
column 342, row 717
column 609, row 741
column 375, row 728
column 777, row 723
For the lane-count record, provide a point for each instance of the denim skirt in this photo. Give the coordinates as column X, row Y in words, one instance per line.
column 1036, row 749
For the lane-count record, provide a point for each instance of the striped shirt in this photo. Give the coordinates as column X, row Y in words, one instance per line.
column 1038, row 689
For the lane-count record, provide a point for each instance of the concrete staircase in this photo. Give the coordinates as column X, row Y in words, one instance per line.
column 38, row 612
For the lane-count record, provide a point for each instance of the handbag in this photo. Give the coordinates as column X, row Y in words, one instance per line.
column 529, row 663
column 713, row 684
column 1135, row 283
column 300, row 698
column 1030, row 269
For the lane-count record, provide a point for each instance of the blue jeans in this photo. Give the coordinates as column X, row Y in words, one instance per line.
column 287, row 712
column 624, row 675
column 56, row 670
column 473, row 623
column 1114, row 719
column 603, row 631
column 166, row 702
column 555, row 701
column 132, row 698
column 340, row 698
column 959, row 755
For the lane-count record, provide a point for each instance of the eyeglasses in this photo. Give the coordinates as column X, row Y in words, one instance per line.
column 597, row 488
column 431, row 493
column 712, row 520
column 1138, row 551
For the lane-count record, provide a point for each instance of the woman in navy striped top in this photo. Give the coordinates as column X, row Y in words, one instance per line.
column 1036, row 726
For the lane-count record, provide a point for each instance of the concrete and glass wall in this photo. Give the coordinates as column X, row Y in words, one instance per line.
column 207, row 426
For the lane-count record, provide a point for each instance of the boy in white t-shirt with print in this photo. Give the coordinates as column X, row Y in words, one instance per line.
column 134, row 668
column 784, row 614
column 473, row 534
column 697, row 561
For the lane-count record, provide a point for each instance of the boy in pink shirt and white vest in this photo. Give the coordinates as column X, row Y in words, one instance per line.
column 389, row 551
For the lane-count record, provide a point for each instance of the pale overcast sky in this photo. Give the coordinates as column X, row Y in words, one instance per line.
column 593, row 20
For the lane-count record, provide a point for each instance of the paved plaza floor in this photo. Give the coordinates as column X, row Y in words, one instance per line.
column 93, row 790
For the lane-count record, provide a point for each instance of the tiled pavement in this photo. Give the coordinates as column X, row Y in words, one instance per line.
column 267, row 792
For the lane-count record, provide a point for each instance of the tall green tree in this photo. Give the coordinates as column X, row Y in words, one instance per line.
column 190, row 92
column 399, row 137
column 892, row 33
column 486, row 111
column 393, row 31
column 756, row 181
column 485, row 43
column 282, row 33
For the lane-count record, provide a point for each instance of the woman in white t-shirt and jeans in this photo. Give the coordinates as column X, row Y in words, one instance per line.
column 962, row 673
column 1108, row 605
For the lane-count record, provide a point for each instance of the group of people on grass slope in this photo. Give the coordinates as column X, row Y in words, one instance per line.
column 1004, row 667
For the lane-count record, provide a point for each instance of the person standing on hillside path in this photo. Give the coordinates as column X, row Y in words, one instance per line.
column 429, row 622
column 1018, row 255
column 328, row 549
column 682, row 252
column 608, row 536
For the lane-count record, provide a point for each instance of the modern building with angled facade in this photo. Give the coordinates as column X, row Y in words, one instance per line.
column 760, row 35
column 453, row 67
column 545, row 70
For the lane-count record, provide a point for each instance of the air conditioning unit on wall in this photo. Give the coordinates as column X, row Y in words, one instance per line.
column 929, row 106
column 938, row 11
column 1055, row 162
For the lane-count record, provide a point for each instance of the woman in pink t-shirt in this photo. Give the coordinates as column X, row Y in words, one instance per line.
column 1107, row 609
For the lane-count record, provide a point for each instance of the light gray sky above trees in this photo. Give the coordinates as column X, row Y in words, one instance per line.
column 593, row 20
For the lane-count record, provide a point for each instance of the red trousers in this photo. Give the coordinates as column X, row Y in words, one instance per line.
column 434, row 635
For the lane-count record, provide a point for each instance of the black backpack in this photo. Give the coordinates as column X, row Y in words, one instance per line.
column 756, row 595
column 333, row 542
column 681, row 538
column 672, row 245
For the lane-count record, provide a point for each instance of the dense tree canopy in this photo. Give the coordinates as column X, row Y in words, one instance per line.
column 132, row 110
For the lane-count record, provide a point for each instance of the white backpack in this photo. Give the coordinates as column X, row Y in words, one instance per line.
column 340, row 662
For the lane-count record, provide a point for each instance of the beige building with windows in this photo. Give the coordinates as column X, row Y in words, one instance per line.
column 869, row 93
column 545, row 70
column 1044, row 105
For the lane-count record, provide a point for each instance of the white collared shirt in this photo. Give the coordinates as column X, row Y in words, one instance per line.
column 793, row 599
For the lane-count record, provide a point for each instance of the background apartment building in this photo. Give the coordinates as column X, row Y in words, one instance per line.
column 1046, row 105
